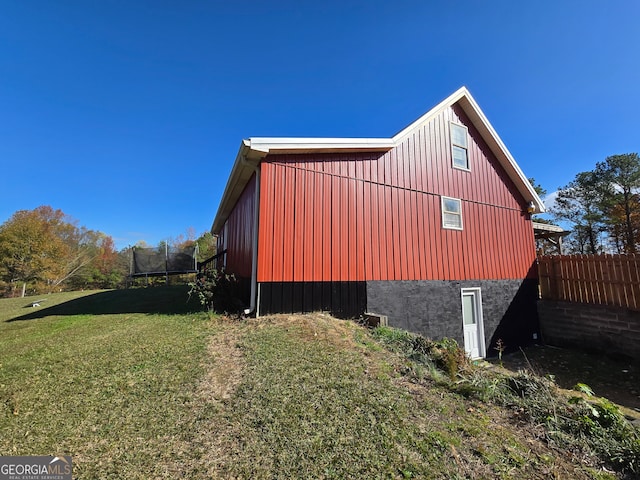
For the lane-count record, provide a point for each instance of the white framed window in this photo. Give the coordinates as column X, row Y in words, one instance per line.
column 459, row 146
column 451, row 213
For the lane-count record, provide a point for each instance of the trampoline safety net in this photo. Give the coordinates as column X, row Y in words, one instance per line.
column 167, row 260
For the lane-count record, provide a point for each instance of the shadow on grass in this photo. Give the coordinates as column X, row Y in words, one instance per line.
column 161, row 300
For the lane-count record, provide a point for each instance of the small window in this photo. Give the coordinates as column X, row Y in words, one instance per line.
column 451, row 213
column 459, row 146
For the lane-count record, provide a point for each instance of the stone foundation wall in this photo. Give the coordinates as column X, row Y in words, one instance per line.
column 433, row 308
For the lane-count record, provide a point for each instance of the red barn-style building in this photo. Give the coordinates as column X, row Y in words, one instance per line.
column 431, row 227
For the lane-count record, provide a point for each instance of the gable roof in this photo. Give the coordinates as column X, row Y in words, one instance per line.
column 253, row 150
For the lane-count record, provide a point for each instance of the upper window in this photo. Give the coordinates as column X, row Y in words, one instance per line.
column 459, row 146
column 451, row 213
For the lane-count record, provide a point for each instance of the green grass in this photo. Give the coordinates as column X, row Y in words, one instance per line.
column 112, row 390
column 319, row 398
column 139, row 384
column 309, row 409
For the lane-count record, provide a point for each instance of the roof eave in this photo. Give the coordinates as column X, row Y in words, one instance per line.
column 253, row 150
column 242, row 170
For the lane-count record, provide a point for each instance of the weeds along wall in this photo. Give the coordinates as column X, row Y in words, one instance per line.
column 600, row 328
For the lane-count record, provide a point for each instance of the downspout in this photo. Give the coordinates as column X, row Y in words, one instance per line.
column 254, row 242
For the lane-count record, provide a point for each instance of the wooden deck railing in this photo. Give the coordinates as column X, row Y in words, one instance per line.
column 598, row 279
column 205, row 264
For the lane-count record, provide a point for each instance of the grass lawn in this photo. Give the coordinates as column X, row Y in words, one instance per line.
column 139, row 384
column 111, row 389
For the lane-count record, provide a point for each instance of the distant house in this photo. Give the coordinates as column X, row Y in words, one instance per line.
column 430, row 227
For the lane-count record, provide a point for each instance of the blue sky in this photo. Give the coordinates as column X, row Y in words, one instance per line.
column 127, row 115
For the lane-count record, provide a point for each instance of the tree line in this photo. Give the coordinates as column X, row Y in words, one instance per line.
column 44, row 250
column 602, row 207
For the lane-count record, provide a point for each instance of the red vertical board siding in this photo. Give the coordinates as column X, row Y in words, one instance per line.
column 425, row 238
column 266, row 224
column 393, row 219
column 418, row 154
column 298, row 207
column 476, row 271
column 275, row 190
column 402, row 243
column 418, row 250
column 309, row 233
column 347, row 236
column 336, row 224
column 413, row 252
column 317, row 214
column 377, row 258
column 289, row 226
column 239, row 233
column 369, row 216
column 327, row 226
column 386, row 234
column 362, row 250
column 427, row 149
column 372, row 217
column 352, row 251
column 510, row 242
column 433, row 184
column 403, row 167
column 367, row 230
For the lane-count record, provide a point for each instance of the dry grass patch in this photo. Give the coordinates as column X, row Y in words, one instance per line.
column 223, row 367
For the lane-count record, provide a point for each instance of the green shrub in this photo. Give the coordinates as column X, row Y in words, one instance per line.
column 217, row 291
column 445, row 354
column 448, row 356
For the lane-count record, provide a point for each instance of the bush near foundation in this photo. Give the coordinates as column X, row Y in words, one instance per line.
column 217, row 291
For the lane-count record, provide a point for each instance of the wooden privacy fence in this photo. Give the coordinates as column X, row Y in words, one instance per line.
column 598, row 279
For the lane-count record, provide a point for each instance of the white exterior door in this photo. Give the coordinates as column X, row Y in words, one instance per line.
column 472, row 322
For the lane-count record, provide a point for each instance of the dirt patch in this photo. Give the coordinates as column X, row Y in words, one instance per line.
column 224, row 370
column 617, row 380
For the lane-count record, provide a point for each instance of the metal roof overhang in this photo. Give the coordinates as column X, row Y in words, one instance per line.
column 253, row 150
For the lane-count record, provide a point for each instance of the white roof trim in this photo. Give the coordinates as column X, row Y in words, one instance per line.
column 447, row 102
column 307, row 145
column 253, row 150
column 280, row 143
column 480, row 121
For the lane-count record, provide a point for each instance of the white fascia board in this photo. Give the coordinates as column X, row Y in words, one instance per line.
column 292, row 144
column 447, row 102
